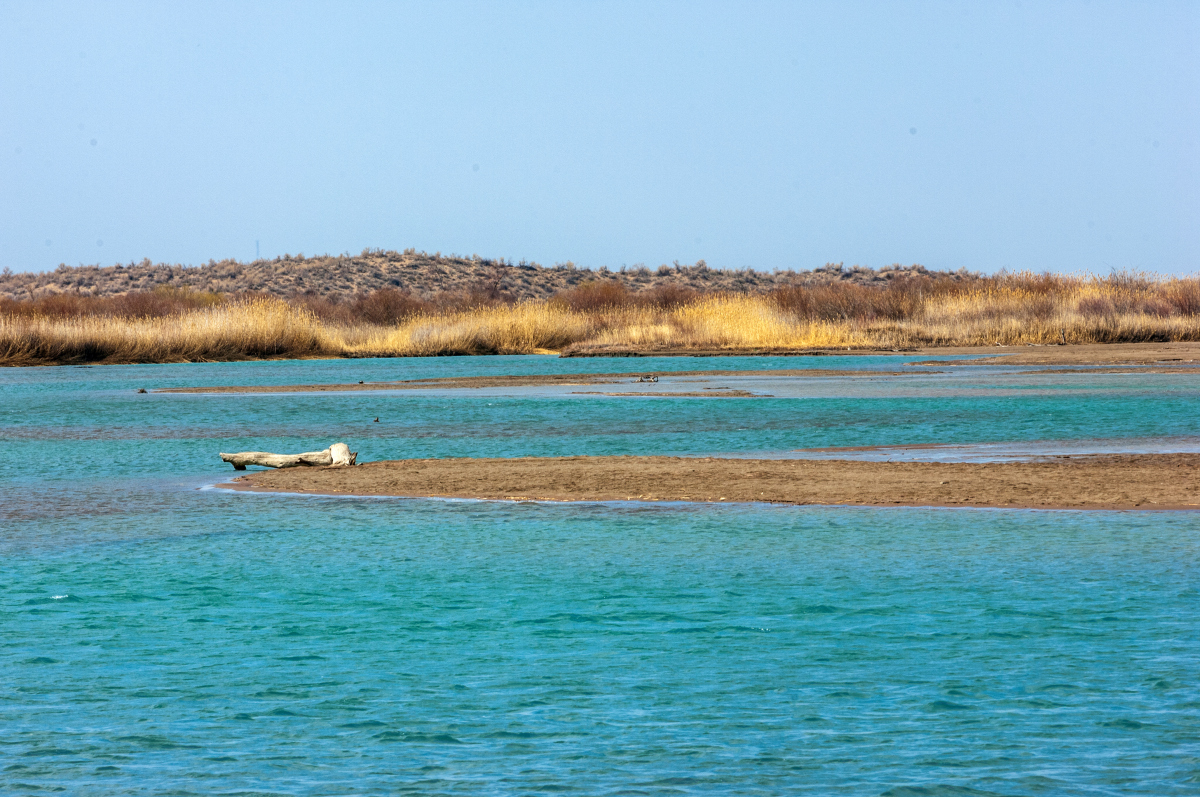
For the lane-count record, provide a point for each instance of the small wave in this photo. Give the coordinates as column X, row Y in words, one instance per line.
column 364, row 724
column 139, row 597
column 1035, row 702
column 279, row 693
column 408, row 736
column 153, row 742
column 1124, row 724
column 51, row 599
column 1059, row 688
column 514, row 735
column 938, row 790
column 50, row 751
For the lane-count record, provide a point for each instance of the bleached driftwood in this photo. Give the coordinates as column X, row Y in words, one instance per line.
column 342, row 455
column 338, row 454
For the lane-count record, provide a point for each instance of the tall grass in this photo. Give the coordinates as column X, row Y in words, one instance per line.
column 524, row 328
column 253, row 329
column 1006, row 309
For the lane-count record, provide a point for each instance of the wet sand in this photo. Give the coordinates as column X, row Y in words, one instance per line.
column 1023, row 354
column 708, row 392
column 524, row 380
column 1156, row 481
column 1168, row 355
column 1148, row 357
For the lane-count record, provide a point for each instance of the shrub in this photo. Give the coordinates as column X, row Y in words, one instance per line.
column 1095, row 307
column 387, row 307
column 1183, row 296
column 593, row 296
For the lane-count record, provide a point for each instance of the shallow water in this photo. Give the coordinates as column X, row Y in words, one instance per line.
column 159, row 638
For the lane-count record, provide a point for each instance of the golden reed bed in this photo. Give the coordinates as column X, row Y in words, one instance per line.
column 1006, row 310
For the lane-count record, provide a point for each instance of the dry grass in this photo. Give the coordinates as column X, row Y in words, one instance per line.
column 523, row 328
column 253, row 329
column 1007, row 309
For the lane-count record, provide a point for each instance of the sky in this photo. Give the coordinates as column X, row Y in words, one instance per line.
column 1060, row 136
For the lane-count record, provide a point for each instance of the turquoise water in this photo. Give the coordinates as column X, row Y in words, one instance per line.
column 161, row 638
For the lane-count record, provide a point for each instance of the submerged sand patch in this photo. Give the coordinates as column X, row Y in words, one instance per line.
column 708, row 392
column 522, row 380
column 1154, row 481
column 1104, row 358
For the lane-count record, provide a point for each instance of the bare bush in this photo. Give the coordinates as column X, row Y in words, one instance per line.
column 387, row 307
column 594, row 296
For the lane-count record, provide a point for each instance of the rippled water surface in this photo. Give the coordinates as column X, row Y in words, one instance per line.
column 161, row 638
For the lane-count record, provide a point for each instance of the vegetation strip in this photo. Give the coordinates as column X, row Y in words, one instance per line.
column 1160, row 481
column 605, row 317
column 374, row 282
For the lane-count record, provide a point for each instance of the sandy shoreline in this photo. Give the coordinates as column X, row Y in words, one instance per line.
column 1180, row 353
column 519, row 380
column 1156, row 481
column 1145, row 357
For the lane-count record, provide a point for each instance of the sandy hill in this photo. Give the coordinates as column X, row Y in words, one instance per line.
column 417, row 272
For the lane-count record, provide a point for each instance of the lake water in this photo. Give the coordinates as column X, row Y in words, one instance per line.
column 161, row 638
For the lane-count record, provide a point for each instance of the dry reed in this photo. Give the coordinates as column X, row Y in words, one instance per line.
column 1008, row 309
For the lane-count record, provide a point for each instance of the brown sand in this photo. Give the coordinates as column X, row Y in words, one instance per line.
column 1026, row 354
column 1162, row 481
column 1183, row 355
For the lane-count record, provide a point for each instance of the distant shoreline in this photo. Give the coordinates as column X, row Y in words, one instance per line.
column 1173, row 356
column 1104, row 482
column 907, row 311
column 514, row 380
column 1109, row 357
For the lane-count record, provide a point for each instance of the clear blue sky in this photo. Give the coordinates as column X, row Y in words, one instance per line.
column 1035, row 135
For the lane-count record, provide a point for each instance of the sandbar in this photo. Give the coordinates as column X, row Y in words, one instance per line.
column 1182, row 355
column 1103, row 358
column 708, row 392
column 1172, row 352
column 518, row 380
column 1146, row 481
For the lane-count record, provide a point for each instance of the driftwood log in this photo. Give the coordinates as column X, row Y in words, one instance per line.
column 338, row 454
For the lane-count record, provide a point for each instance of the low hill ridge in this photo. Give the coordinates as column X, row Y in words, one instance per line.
column 420, row 274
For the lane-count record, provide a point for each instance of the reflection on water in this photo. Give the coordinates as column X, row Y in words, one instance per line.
column 157, row 638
